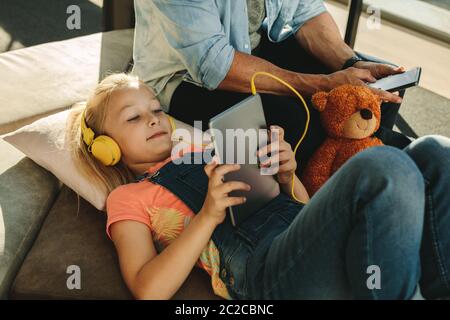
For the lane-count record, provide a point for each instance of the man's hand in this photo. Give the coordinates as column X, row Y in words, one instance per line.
column 350, row 75
column 359, row 77
column 379, row 70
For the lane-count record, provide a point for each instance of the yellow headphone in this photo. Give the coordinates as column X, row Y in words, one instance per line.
column 103, row 148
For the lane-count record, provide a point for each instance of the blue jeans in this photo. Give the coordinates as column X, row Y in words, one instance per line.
column 385, row 208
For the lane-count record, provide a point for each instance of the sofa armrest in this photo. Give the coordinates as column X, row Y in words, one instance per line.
column 27, row 192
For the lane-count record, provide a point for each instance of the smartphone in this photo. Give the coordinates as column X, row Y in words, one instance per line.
column 399, row 81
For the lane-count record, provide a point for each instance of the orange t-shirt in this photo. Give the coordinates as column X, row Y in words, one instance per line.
column 165, row 215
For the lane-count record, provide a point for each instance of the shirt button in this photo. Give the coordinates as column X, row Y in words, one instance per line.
column 246, row 46
column 224, row 273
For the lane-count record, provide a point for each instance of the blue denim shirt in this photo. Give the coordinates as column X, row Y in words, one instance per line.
column 195, row 40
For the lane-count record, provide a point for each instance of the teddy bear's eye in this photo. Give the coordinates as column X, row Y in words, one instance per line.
column 366, row 114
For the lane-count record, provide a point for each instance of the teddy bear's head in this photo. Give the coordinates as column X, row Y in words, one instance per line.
column 348, row 111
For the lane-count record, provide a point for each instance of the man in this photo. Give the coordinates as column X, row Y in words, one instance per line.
column 199, row 57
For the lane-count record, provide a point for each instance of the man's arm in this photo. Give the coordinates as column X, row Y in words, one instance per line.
column 244, row 66
column 321, row 38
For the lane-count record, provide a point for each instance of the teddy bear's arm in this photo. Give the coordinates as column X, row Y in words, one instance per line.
column 319, row 167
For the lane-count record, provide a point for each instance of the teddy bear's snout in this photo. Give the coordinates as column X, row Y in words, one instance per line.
column 366, row 114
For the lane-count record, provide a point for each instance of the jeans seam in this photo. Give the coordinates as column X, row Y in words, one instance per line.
column 299, row 253
column 369, row 252
column 367, row 219
column 227, row 265
column 443, row 272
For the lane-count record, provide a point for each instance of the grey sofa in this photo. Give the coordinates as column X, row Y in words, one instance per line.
column 40, row 231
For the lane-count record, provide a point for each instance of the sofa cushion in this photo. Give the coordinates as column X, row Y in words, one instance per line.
column 68, row 238
column 50, row 77
column 27, row 192
column 44, row 142
column 9, row 156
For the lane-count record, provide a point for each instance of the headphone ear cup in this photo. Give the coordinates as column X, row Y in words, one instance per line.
column 106, row 150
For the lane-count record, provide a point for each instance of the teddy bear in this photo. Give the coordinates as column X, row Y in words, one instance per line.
column 350, row 115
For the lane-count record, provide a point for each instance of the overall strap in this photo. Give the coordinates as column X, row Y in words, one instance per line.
column 188, row 181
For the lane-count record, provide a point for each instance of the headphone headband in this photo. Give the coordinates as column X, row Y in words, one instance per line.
column 86, row 132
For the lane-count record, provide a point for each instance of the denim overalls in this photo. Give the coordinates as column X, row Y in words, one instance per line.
column 241, row 249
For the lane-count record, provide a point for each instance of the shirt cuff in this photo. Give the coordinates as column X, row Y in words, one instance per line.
column 216, row 64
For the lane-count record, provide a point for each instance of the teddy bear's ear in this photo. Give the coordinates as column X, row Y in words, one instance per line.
column 319, row 100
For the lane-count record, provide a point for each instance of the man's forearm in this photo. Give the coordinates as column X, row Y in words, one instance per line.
column 320, row 37
column 245, row 65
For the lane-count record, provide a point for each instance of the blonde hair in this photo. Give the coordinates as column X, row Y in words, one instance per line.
column 106, row 177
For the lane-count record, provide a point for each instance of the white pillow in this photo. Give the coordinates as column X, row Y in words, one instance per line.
column 43, row 142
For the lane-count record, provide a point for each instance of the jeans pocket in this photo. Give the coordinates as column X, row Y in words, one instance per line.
column 290, row 211
column 234, row 271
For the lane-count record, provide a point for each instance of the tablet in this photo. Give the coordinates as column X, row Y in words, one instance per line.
column 399, row 81
column 237, row 133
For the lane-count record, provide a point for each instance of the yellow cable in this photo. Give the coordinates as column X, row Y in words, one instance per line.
column 253, row 88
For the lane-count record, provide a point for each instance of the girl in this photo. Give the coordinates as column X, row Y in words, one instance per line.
column 376, row 230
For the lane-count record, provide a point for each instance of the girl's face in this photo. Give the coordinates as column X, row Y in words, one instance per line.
column 137, row 123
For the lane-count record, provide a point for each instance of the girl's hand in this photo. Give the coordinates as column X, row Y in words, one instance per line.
column 282, row 156
column 217, row 199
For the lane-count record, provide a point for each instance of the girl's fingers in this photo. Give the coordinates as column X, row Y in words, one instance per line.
column 234, row 201
column 229, row 186
column 287, row 167
column 209, row 168
column 285, row 155
column 219, row 172
column 281, row 168
column 280, row 157
column 271, row 170
column 279, row 131
column 272, row 148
